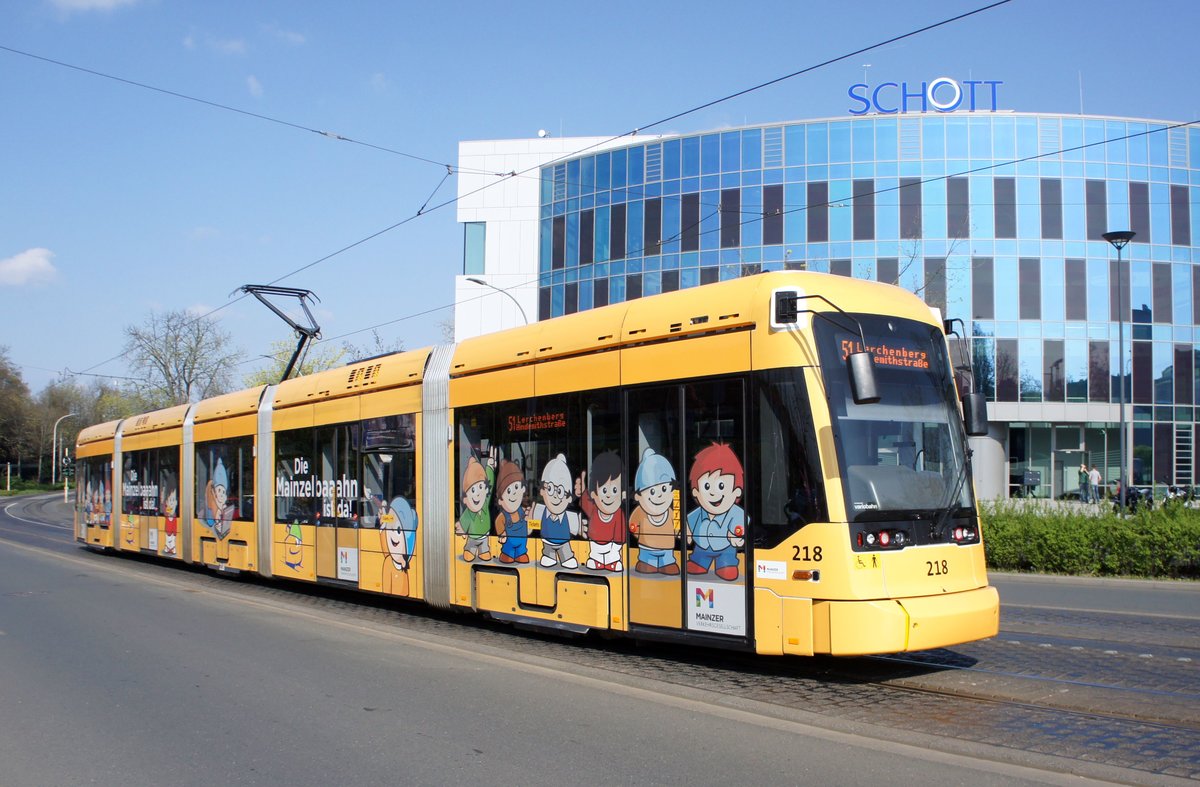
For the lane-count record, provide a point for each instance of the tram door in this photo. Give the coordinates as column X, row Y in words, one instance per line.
column 687, row 521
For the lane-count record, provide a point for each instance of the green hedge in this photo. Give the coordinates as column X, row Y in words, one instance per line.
column 1073, row 539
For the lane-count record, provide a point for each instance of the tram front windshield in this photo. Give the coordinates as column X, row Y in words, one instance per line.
column 902, row 456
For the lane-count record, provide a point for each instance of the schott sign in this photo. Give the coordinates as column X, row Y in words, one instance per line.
column 942, row 94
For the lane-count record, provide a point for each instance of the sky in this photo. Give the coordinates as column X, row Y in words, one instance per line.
column 193, row 166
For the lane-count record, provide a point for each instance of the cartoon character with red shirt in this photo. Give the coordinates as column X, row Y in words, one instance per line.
column 717, row 527
column 601, row 501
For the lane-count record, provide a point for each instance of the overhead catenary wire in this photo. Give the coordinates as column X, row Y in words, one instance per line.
column 425, row 210
column 237, row 110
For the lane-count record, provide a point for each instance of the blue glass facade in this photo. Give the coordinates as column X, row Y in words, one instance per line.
column 996, row 219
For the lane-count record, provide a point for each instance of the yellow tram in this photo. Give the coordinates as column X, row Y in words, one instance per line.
column 776, row 463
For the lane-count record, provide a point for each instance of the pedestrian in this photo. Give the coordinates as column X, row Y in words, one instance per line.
column 1094, row 477
column 1085, row 482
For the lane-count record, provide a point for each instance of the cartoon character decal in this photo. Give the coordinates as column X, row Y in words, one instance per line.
column 170, row 509
column 652, row 521
column 398, row 535
column 293, row 542
column 717, row 527
column 601, row 496
column 218, row 511
column 556, row 522
column 512, row 523
column 477, row 482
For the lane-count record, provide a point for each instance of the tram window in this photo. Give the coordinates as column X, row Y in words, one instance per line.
column 336, row 482
column 225, row 479
column 295, row 498
column 386, row 446
column 94, row 491
column 790, row 488
column 715, row 484
column 139, row 483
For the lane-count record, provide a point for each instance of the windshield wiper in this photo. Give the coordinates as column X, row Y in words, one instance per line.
column 947, row 506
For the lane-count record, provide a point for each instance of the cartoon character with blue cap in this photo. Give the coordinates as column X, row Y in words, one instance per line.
column 218, row 514
column 398, row 534
column 651, row 521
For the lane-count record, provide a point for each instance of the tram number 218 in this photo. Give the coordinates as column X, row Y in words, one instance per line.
column 937, row 568
column 807, row 553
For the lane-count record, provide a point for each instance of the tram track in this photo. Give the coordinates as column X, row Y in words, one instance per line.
column 1020, row 692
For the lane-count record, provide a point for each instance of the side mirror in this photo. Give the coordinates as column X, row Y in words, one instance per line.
column 862, row 377
column 975, row 414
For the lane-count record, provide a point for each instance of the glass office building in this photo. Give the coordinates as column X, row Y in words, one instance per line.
column 996, row 219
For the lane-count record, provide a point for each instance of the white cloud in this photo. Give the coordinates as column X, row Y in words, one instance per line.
column 69, row 6
column 379, row 83
column 286, row 36
column 203, row 233
column 254, row 86
column 33, row 266
column 228, row 46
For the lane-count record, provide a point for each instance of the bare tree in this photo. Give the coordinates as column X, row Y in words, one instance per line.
column 372, row 349
column 182, row 358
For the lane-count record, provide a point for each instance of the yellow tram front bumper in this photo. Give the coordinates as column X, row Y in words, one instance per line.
column 906, row 624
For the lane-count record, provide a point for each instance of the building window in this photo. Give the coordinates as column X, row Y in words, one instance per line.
column 1115, row 286
column 1030, row 273
column 1162, row 295
column 731, row 218
column 1052, row 217
column 617, row 233
column 958, row 208
column 558, row 249
column 818, row 212
column 887, row 270
column 689, row 220
column 864, row 210
column 1139, row 211
column 841, row 268
column 600, row 293
column 474, row 235
column 1143, row 372
column 1004, row 197
column 652, row 229
column 772, row 215
column 587, row 231
column 935, row 282
column 1098, row 379
column 910, row 208
column 1096, row 197
column 1053, row 370
column 983, row 288
column 1076, row 287
column 1006, row 370
column 1181, row 217
column 633, row 286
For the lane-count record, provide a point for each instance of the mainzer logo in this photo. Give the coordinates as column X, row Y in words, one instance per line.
column 703, row 595
column 943, row 94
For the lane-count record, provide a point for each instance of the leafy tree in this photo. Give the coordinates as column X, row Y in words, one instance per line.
column 182, row 358
column 15, row 411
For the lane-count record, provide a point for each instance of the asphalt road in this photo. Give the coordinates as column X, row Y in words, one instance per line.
column 113, row 677
column 115, row 670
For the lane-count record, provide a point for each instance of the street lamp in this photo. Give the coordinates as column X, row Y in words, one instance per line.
column 54, row 446
column 504, row 292
column 1118, row 239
